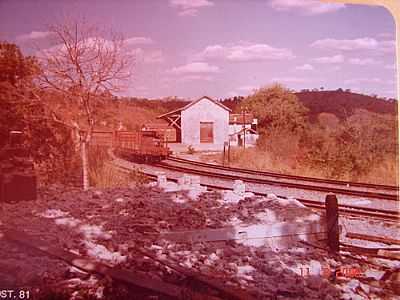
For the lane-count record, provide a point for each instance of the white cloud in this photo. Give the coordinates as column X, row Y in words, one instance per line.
column 309, row 7
column 148, row 56
column 195, row 68
column 366, row 43
column 363, row 80
column 289, row 80
column 187, row 78
column 346, row 45
column 305, row 67
column 93, row 43
column 336, row 59
column 154, row 57
column 34, row 35
column 363, row 62
column 249, row 52
column 247, row 88
column 138, row 40
column 189, row 7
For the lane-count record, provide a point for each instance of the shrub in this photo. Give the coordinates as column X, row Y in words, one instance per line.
column 103, row 174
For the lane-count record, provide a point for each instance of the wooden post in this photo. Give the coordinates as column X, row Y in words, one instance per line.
column 229, row 153
column 223, row 160
column 332, row 222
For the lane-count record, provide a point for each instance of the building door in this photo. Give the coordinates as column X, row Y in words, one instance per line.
column 206, row 132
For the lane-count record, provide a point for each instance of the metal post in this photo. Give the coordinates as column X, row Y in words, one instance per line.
column 332, row 222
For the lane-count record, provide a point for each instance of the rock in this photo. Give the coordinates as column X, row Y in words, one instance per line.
column 353, row 284
column 208, row 262
column 364, row 287
column 315, row 268
column 314, row 282
column 97, row 194
column 346, row 296
column 372, row 273
column 394, row 282
column 245, row 212
column 214, row 257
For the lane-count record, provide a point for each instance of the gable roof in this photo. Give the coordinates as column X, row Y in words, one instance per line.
column 193, row 103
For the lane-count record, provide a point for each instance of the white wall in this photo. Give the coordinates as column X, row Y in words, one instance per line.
column 204, row 111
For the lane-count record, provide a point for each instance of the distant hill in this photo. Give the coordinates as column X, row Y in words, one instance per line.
column 343, row 103
column 340, row 103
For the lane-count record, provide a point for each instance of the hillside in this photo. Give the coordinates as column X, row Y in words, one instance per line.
column 133, row 112
column 343, row 103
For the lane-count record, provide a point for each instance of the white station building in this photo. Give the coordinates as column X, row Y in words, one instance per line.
column 206, row 124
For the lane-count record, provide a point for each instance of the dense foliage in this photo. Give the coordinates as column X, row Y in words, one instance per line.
column 356, row 144
column 49, row 143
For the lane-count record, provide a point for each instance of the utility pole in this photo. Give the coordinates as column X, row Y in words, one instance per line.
column 244, row 127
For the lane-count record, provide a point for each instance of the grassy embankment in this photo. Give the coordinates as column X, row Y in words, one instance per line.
column 386, row 172
column 361, row 148
column 103, row 174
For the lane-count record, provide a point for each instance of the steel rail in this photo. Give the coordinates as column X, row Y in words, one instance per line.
column 287, row 176
column 374, row 195
column 386, row 215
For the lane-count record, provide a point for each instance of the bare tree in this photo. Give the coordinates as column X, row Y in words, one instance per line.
column 84, row 63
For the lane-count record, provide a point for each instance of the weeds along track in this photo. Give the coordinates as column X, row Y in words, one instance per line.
column 344, row 210
column 379, row 187
column 276, row 179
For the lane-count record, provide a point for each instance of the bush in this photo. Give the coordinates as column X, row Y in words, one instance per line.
column 102, row 173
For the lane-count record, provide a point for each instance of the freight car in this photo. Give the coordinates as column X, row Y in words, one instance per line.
column 140, row 146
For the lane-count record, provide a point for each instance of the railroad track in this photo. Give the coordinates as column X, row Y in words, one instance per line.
column 276, row 179
column 290, row 177
column 344, row 210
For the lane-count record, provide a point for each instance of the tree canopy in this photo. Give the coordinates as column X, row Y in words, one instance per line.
column 276, row 109
column 48, row 142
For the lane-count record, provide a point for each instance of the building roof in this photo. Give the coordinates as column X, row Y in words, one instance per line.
column 157, row 126
column 178, row 110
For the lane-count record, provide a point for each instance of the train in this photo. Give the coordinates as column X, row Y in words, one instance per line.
column 138, row 146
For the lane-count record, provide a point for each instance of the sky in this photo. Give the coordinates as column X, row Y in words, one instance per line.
column 226, row 48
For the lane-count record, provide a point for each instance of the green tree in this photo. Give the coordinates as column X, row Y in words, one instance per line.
column 282, row 121
column 362, row 141
column 46, row 141
column 277, row 109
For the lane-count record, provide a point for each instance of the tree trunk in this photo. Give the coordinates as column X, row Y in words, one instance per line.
column 85, row 164
column 85, row 142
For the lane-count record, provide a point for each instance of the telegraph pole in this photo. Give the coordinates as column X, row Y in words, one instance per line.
column 244, row 127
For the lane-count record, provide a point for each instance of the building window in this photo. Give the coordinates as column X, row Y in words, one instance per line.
column 206, row 132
